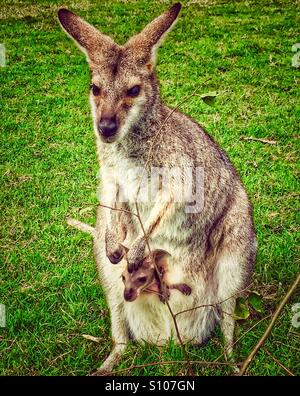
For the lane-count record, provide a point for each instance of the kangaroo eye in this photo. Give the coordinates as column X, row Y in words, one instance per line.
column 134, row 91
column 142, row 279
column 96, row 90
column 123, row 278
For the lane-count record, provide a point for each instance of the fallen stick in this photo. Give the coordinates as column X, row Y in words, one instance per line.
column 248, row 360
column 242, row 336
column 82, row 226
column 261, row 140
column 171, row 362
column 279, row 363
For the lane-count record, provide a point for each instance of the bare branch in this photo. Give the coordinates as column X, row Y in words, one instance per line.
column 279, row 363
column 287, row 346
column 167, row 302
column 270, row 327
column 242, row 336
column 118, row 209
column 185, row 99
column 140, row 220
column 214, row 304
column 199, row 362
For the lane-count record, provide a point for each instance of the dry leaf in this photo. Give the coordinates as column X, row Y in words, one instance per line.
column 91, row 338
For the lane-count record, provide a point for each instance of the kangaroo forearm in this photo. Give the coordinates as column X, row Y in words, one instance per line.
column 158, row 214
column 161, row 210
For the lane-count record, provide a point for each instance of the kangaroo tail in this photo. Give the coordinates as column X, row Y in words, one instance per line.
column 82, row 226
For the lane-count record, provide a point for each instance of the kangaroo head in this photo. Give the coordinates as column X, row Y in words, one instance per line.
column 123, row 83
column 144, row 277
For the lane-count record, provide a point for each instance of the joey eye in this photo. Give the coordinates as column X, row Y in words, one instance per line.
column 134, row 91
column 142, row 279
column 96, row 90
column 123, row 278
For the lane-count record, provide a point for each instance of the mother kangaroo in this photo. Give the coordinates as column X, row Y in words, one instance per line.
column 212, row 243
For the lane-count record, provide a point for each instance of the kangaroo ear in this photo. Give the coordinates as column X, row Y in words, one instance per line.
column 148, row 41
column 160, row 257
column 92, row 42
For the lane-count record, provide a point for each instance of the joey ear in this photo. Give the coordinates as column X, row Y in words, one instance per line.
column 150, row 38
column 92, row 42
column 160, row 257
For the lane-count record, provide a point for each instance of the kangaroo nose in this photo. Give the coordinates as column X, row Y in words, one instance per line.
column 108, row 126
column 128, row 294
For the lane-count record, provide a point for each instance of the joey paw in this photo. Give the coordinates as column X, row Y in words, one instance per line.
column 164, row 293
column 185, row 289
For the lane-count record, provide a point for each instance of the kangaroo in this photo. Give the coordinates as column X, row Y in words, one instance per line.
column 145, row 278
column 213, row 248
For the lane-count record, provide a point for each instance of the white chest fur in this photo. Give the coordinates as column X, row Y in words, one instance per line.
column 147, row 317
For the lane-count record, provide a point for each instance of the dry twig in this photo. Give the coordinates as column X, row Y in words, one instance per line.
column 214, row 304
column 279, row 363
column 242, row 336
column 261, row 140
column 270, row 327
column 185, row 99
column 199, row 362
column 118, row 209
column 167, row 302
column 140, row 220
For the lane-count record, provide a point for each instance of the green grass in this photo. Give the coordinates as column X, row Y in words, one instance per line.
column 48, row 279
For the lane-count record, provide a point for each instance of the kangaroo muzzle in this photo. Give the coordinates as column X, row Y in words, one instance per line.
column 130, row 294
column 108, row 127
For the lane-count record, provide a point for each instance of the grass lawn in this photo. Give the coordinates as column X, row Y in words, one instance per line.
column 48, row 279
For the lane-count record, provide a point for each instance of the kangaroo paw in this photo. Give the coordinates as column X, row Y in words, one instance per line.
column 164, row 293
